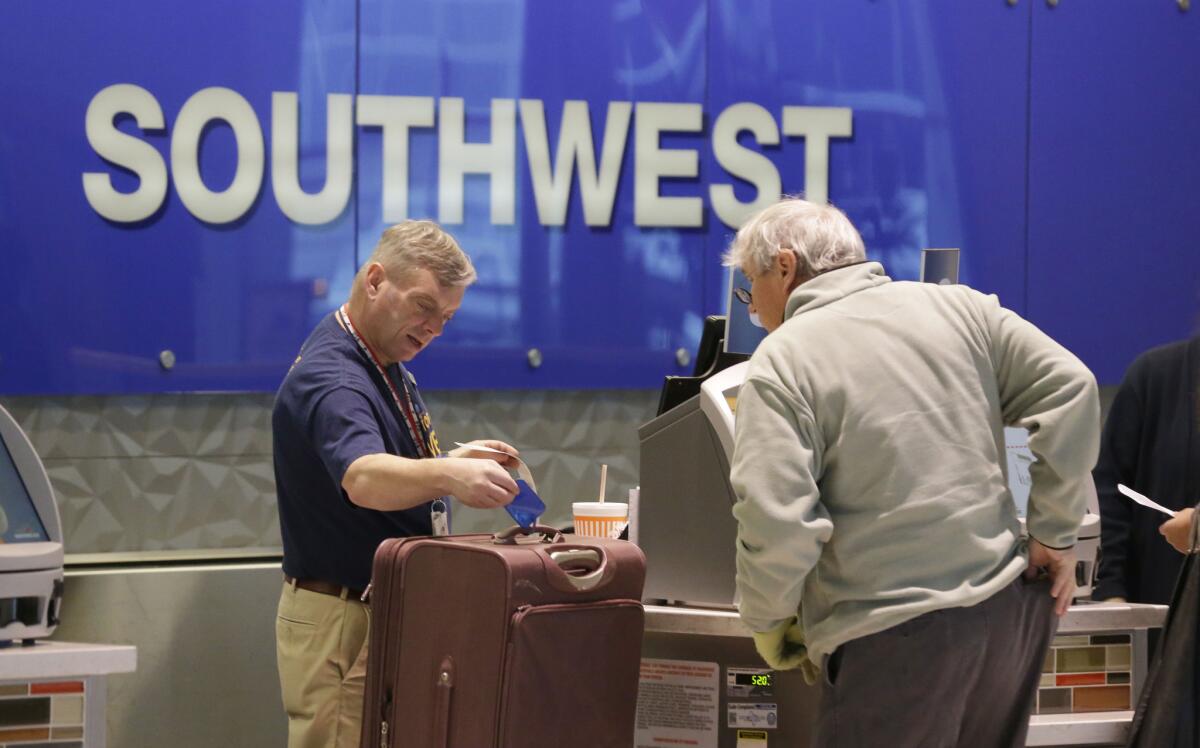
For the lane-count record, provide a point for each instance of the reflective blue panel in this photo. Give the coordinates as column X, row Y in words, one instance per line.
column 605, row 288
column 937, row 89
column 88, row 303
column 605, row 305
column 1113, row 225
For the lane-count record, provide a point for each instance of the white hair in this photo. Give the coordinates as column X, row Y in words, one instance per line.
column 821, row 236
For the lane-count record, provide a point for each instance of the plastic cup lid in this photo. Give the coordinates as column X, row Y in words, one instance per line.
column 600, row 508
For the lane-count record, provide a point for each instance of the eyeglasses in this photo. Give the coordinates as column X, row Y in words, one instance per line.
column 742, row 295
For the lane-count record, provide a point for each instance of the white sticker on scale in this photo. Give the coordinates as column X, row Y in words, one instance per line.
column 758, row 716
column 678, row 704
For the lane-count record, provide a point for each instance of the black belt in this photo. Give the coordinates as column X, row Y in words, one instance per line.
column 325, row 588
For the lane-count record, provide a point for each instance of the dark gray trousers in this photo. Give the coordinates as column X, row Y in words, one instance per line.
column 959, row 677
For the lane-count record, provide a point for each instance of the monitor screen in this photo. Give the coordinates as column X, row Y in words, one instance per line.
column 19, row 521
column 741, row 335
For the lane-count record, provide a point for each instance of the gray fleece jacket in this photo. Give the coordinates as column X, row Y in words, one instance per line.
column 869, row 463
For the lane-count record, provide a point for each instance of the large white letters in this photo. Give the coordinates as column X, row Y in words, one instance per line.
column 553, row 165
column 395, row 114
column 743, row 162
column 817, row 125
column 204, row 106
column 125, row 150
column 296, row 204
column 552, row 185
column 457, row 158
column 652, row 163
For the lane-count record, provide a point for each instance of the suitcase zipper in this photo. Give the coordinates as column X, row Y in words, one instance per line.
column 380, row 644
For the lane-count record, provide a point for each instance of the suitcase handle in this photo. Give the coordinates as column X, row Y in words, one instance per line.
column 589, row 561
column 509, row 536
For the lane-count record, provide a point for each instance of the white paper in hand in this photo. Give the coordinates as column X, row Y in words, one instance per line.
column 522, row 469
column 1143, row 500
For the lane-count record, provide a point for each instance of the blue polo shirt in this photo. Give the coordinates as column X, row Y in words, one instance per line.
column 332, row 408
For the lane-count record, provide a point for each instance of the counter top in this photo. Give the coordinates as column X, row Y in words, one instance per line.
column 55, row 659
column 1084, row 617
column 1095, row 728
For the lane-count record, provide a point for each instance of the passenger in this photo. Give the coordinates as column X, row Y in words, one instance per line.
column 1149, row 444
column 352, row 443
column 878, row 540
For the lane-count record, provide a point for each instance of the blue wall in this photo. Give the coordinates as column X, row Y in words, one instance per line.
column 1050, row 144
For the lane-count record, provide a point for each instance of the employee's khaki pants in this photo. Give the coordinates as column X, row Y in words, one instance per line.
column 321, row 646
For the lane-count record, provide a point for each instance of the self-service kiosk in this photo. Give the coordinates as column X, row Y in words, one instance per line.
column 31, row 549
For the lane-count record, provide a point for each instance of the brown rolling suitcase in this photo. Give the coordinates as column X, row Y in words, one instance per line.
column 516, row 640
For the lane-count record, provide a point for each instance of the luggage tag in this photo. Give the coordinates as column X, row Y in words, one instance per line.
column 527, row 506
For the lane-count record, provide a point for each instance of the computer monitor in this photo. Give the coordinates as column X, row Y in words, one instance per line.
column 741, row 335
column 19, row 521
column 939, row 266
column 31, row 550
column 711, row 358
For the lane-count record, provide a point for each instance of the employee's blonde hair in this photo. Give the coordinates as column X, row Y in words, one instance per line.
column 410, row 245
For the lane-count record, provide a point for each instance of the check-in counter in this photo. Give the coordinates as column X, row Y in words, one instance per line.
column 718, row 638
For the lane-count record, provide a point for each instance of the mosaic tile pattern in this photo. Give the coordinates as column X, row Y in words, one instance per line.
column 1086, row 673
column 45, row 714
column 193, row 471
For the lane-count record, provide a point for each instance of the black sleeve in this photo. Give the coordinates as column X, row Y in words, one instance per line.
column 1118, row 464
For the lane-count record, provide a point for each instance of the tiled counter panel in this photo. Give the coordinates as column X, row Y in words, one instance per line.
column 52, row 694
column 1090, row 673
column 48, row 714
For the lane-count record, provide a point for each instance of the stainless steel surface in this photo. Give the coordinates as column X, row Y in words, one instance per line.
column 685, row 521
column 1097, row 728
column 206, row 651
column 1086, row 617
column 1091, row 617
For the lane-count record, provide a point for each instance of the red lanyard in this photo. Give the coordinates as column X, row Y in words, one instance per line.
column 405, row 404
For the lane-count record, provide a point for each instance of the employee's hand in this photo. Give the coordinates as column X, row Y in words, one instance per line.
column 482, row 484
column 1178, row 530
column 1059, row 566
column 1114, row 600
column 479, row 454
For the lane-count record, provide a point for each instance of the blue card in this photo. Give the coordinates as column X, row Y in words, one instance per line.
column 527, row 507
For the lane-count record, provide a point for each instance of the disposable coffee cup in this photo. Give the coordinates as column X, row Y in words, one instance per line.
column 600, row 519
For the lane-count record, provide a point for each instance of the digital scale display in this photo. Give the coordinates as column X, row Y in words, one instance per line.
column 744, row 682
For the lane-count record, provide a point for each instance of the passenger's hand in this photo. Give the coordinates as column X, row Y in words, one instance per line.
column 1178, row 530
column 508, row 461
column 784, row 648
column 1059, row 566
column 482, row 484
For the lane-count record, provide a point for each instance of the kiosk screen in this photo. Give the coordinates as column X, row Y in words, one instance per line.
column 19, row 521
